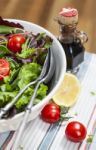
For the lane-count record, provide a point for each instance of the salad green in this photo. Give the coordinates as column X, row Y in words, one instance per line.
column 25, row 65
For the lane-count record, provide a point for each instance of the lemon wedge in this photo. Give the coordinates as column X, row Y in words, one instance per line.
column 68, row 92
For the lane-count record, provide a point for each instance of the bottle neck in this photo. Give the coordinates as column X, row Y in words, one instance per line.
column 67, row 28
column 67, row 33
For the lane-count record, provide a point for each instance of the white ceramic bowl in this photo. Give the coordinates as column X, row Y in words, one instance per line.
column 60, row 62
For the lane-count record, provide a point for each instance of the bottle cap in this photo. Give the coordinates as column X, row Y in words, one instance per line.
column 68, row 16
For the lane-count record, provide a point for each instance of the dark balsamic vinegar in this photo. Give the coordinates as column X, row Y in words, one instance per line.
column 74, row 54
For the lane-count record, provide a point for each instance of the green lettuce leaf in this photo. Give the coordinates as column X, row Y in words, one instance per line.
column 27, row 53
column 28, row 73
column 42, row 91
column 25, row 98
column 6, row 97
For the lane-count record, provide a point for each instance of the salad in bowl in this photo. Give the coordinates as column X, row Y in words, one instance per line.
column 23, row 49
column 22, row 55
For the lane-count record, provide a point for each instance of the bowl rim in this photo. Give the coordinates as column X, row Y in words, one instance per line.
column 49, row 96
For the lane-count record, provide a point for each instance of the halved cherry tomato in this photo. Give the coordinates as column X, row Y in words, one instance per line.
column 51, row 113
column 75, row 131
column 15, row 42
column 4, row 68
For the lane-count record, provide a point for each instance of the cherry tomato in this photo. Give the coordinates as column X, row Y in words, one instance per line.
column 15, row 42
column 51, row 113
column 4, row 68
column 75, row 131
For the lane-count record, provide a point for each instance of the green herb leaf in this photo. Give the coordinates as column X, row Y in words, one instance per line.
column 93, row 93
column 90, row 139
column 64, row 118
column 21, row 147
column 64, row 110
column 63, row 115
column 76, row 114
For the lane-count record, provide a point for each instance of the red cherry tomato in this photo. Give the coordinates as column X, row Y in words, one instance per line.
column 15, row 42
column 75, row 131
column 4, row 68
column 51, row 113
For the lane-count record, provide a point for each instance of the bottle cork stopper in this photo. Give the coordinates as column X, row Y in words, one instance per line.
column 68, row 16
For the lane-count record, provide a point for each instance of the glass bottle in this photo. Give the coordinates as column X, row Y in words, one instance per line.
column 71, row 39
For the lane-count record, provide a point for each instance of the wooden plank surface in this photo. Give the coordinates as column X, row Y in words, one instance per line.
column 43, row 12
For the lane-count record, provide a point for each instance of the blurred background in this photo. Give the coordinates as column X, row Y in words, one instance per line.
column 43, row 12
